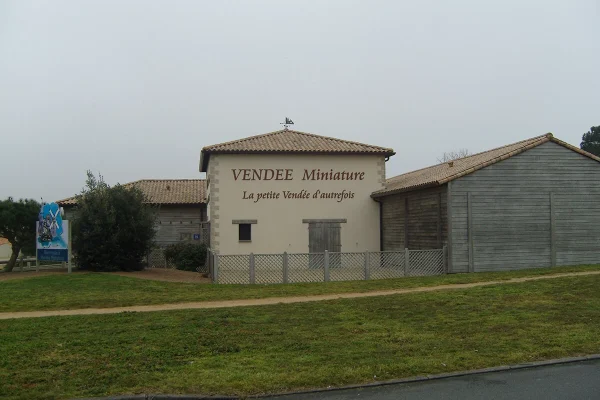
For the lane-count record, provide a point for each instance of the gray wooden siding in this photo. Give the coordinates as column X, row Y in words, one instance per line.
column 174, row 223
column 511, row 214
column 577, row 228
column 178, row 223
column 426, row 224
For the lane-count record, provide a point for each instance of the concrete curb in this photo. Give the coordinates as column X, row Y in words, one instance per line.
column 161, row 397
column 414, row 379
column 423, row 378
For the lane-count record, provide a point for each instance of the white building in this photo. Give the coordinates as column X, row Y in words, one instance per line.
column 293, row 191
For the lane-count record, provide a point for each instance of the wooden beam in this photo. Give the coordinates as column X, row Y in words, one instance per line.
column 406, row 222
column 470, row 231
column 552, row 232
column 449, row 225
column 439, row 221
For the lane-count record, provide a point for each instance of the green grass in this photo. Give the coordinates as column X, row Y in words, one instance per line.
column 277, row 348
column 96, row 290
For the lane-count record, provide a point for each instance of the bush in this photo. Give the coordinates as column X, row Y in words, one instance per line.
column 186, row 256
column 113, row 228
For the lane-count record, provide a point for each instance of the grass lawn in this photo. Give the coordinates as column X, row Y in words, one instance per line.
column 282, row 347
column 95, row 290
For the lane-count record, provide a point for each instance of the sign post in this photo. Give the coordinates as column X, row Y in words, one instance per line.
column 69, row 250
column 53, row 241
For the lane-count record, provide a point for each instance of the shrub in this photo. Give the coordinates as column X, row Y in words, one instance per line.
column 186, row 256
column 113, row 228
column 17, row 225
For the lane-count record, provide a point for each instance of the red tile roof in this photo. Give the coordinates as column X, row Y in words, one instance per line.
column 164, row 191
column 289, row 141
column 445, row 172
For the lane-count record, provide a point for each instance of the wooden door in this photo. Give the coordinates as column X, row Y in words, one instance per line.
column 324, row 236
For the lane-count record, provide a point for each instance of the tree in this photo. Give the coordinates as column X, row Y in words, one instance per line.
column 113, row 228
column 17, row 225
column 453, row 155
column 590, row 141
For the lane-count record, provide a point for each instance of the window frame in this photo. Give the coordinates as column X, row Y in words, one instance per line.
column 248, row 232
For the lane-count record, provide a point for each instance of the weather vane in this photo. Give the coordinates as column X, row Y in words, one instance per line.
column 287, row 123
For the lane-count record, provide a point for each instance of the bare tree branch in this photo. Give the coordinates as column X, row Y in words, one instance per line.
column 453, row 155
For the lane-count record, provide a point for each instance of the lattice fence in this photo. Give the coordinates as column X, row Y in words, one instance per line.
column 387, row 264
column 157, row 259
column 232, row 269
column 346, row 266
column 320, row 267
column 268, row 268
column 305, row 267
column 426, row 262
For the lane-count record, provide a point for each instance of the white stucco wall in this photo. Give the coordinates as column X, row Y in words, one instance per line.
column 279, row 220
column 5, row 251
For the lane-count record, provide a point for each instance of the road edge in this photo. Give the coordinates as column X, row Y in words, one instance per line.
column 432, row 377
column 413, row 379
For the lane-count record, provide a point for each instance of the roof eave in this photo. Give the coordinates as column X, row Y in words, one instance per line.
column 495, row 160
column 383, row 192
column 181, row 203
column 575, row 149
column 205, row 153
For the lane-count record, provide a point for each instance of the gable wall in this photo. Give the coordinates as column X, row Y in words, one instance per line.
column 512, row 222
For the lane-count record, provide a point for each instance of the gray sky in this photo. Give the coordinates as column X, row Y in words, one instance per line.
column 134, row 89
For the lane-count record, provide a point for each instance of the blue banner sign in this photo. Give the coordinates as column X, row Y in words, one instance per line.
column 53, row 255
column 52, row 234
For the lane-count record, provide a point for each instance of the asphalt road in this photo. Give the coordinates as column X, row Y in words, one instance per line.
column 574, row 381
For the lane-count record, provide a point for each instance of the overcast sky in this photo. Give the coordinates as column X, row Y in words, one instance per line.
column 134, row 89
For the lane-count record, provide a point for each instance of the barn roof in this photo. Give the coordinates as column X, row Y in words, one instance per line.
column 164, row 191
column 289, row 141
column 445, row 172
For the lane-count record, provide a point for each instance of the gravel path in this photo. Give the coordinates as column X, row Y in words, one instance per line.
column 275, row 300
column 153, row 274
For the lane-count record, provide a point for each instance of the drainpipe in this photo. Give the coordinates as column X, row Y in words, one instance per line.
column 380, row 223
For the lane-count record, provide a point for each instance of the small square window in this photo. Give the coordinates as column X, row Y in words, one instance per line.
column 245, row 232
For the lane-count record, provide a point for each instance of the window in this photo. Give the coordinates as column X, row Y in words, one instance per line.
column 245, row 232
column 244, row 228
column 185, row 237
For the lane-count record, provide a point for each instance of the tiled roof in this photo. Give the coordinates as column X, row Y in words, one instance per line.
column 164, row 191
column 3, row 241
column 289, row 141
column 445, row 172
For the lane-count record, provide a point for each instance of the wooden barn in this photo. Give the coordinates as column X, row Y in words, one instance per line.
column 535, row 203
column 182, row 208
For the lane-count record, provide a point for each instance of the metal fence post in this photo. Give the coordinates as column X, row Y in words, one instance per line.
column 21, row 263
column 285, row 267
column 367, row 272
column 326, row 265
column 69, row 252
column 252, row 272
column 406, row 262
column 216, row 268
